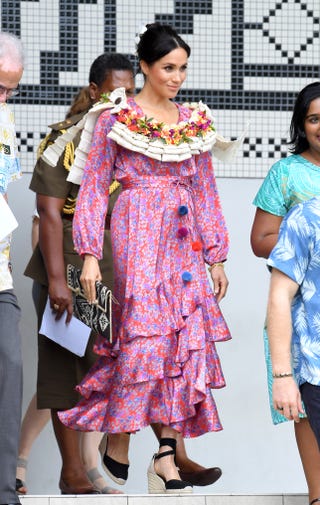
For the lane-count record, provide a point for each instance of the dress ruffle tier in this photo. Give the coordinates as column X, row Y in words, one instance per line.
column 169, row 379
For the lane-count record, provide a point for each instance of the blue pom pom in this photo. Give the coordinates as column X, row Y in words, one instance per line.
column 183, row 210
column 186, row 276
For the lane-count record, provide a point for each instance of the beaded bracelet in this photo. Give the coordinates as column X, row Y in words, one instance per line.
column 281, row 375
column 219, row 264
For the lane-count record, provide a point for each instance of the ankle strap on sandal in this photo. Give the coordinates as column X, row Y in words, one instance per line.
column 314, row 501
column 165, row 453
column 171, row 442
column 22, row 462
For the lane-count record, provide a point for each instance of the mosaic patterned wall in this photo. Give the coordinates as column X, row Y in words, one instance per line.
column 249, row 59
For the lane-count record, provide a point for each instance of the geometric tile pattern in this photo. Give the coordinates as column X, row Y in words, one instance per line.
column 249, row 58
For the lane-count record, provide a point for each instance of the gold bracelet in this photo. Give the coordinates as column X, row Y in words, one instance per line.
column 281, row 375
column 219, row 264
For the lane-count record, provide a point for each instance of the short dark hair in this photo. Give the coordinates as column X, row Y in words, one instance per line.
column 298, row 140
column 105, row 63
column 157, row 41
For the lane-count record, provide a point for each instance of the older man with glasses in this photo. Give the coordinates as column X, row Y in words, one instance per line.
column 11, row 69
column 8, row 92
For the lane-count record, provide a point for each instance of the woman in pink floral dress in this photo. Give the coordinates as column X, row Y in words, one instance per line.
column 166, row 226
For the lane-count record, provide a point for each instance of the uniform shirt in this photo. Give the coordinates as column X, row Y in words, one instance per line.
column 9, row 171
column 297, row 255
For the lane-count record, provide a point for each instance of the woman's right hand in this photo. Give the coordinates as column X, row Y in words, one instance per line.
column 89, row 276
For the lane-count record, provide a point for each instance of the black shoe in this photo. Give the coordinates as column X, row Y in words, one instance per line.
column 20, row 484
column 156, row 483
column 118, row 472
column 203, row 477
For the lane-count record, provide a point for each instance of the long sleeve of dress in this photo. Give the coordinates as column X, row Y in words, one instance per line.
column 92, row 202
column 210, row 220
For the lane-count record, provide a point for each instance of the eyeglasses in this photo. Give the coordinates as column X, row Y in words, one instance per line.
column 8, row 91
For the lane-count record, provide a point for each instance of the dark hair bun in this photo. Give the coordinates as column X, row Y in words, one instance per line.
column 157, row 41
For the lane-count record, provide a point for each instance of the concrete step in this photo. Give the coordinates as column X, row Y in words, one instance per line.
column 194, row 499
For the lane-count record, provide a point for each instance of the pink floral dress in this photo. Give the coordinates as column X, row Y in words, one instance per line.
column 165, row 225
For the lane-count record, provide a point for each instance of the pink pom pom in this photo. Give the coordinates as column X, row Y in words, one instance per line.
column 182, row 232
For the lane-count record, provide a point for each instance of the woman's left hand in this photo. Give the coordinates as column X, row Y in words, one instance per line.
column 220, row 282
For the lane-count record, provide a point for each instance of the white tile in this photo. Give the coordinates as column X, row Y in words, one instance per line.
column 34, row 500
column 244, row 500
column 295, row 499
column 167, row 500
column 194, row 499
column 89, row 500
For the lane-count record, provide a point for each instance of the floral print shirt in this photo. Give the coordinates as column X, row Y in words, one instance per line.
column 297, row 255
column 9, row 171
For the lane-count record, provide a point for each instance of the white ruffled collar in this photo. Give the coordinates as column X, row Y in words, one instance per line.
column 164, row 142
column 116, row 102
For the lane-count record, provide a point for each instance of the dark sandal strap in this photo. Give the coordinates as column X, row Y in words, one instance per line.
column 177, row 484
column 165, row 453
column 171, row 442
column 172, row 483
column 314, row 501
column 94, row 474
column 22, row 463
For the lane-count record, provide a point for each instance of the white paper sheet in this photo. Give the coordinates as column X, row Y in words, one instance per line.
column 8, row 222
column 73, row 336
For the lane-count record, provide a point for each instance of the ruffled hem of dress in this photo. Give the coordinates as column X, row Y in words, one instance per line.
column 160, row 358
column 146, row 404
column 166, row 379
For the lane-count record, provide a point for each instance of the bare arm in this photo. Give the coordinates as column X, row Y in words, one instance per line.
column 264, row 232
column 35, row 232
column 285, row 391
column 51, row 245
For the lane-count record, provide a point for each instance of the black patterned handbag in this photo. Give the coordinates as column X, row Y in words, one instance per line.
column 98, row 316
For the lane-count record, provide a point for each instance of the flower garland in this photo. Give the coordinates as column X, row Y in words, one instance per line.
column 199, row 124
column 157, row 140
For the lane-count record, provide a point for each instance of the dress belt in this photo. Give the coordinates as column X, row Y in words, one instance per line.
column 69, row 217
column 160, row 182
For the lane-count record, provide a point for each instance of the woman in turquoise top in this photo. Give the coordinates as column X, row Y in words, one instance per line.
column 290, row 181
